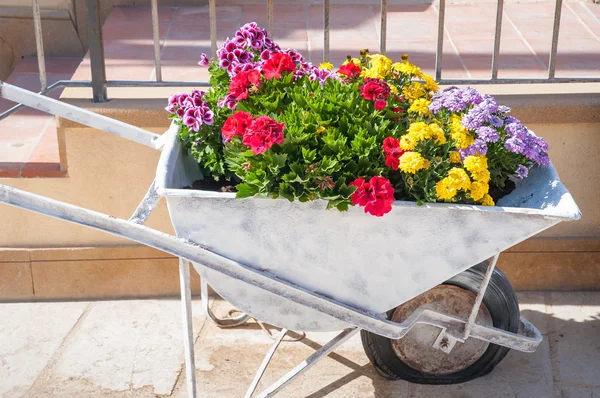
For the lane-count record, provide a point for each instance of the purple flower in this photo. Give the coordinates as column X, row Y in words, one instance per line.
column 517, row 130
column 227, row 101
column 480, row 146
column 265, row 55
column 204, row 61
column 522, row 171
column 475, row 118
column 171, row 108
column 515, row 145
column 488, row 134
column 503, row 109
column 181, row 100
column 180, row 112
column 496, row 121
column 469, row 151
column 230, row 46
column 224, row 63
column 470, row 96
column 191, row 119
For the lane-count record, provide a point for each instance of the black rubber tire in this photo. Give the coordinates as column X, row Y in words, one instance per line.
column 500, row 300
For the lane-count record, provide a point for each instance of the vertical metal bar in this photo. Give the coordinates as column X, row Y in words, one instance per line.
column 322, row 352
column 156, row 39
column 479, row 298
column 212, row 15
column 555, row 31
column 39, row 42
column 497, row 35
column 96, row 50
column 440, row 41
column 383, row 27
column 325, row 30
column 265, row 363
column 188, row 329
column 270, row 17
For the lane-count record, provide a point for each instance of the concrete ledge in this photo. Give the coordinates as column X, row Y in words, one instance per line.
column 139, row 271
column 539, row 103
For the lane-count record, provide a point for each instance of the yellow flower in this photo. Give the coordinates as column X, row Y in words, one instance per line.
column 487, row 200
column 437, row 134
column 411, row 162
column 407, row 68
column 454, row 157
column 407, row 143
column 355, row 61
column 479, row 190
column 414, row 91
column 443, row 190
column 478, row 167
column 421, row 107
column 326, row 65
column 393, row 88
column 460, row 134
column 430, row 83
column 459, row 179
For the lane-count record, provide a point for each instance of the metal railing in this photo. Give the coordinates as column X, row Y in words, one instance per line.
column 99, row 83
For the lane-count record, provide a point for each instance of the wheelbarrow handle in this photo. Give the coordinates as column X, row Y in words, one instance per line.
column 79, row 115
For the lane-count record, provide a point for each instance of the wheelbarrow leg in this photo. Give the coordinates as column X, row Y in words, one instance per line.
column 222, row 323
column 309, row 362
column 265, row 363
column 188, row 329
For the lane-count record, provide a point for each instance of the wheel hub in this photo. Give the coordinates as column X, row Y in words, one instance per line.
column 416, row 348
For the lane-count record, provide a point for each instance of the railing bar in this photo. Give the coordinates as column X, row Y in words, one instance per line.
column 270, row 17
column 497, row 35
column 440, row 40
column 39, row 43
column 145, row 83
column 96, row 51
column 555, row 31
column 156, row 39
column 325, row 30
column 212, row 15
column 451, row 82
column 383, row 27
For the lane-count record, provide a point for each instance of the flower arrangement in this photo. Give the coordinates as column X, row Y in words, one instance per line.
column 372, row 132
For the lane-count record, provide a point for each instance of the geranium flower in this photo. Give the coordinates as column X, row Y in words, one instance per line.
column 277, row 64
column 236, row 124
column 392, row 152
column 240, row 83
column 262, row 134
column 374, row 89
column 376, row 196
column 350, row 70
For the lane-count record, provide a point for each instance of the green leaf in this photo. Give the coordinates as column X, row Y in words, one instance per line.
column 245, row 191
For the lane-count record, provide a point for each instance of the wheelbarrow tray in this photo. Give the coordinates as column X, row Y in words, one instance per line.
column 369, row 263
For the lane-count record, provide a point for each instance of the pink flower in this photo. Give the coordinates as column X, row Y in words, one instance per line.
column 277, row 64
column 349, row 70
column 262, row 134
column 204, row 61
column 374, row 89
column 380, row 104
column 236, row 124
column 376, row 196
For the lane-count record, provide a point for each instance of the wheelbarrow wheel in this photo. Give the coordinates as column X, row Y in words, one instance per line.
column 413, row 358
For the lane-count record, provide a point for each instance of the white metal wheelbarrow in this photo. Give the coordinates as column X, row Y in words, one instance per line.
column 420, row 283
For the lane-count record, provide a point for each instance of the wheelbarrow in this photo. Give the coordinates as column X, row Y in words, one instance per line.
column 420, row 284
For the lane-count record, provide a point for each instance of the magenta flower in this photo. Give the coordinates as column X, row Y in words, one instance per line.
column 204, row 61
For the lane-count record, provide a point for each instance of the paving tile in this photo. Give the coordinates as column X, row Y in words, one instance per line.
column 32, row 333
column 576, row 322
column 577, row 392
column 123, row 346
column 198, row 16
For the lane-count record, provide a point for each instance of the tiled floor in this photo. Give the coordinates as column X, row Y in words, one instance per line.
column 27, row 140
column 133, row 348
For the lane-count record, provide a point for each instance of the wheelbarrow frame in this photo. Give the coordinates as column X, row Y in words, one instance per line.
column 452, row 329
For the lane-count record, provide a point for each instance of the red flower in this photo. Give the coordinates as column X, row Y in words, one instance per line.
column 262, row 134
column 374, row 89
column 376, row 196
column 278, row 63
column 350, row 70
column 380, row 104
column 397, row 110
column 392, row 151
column 236, row 124
column 241, row 82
